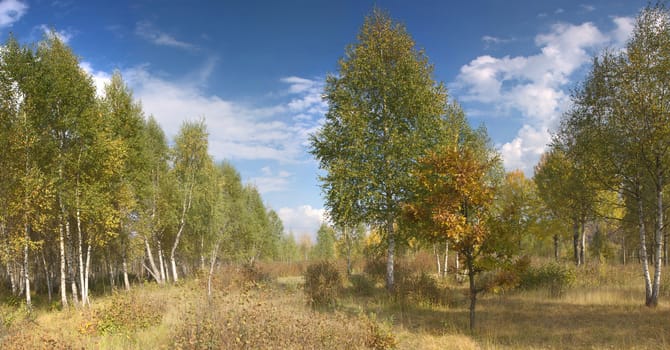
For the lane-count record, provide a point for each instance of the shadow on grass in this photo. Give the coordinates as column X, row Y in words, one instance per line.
column 517, row 321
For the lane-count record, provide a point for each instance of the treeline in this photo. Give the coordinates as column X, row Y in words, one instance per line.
column 92, row 192
column 606, row 172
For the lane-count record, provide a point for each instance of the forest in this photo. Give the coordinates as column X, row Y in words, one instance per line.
column 114, row 236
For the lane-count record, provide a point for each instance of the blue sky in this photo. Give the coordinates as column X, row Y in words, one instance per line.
column 254, row 70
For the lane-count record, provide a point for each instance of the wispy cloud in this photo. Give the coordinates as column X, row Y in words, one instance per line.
column 535, row 86
column 148, row 31
column 11, row 11
column 63, row 35
column 587, row 7
column 492, row 40
column 271, row 181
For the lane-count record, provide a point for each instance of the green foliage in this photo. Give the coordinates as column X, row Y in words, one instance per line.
column 323, row 284
column 324, row 248
column 555, row 278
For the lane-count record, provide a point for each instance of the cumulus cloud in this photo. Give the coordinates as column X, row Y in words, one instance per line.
column 100, row 78
column 534, row 86
column 147, row 31
column 302, row 220
column 11, row 11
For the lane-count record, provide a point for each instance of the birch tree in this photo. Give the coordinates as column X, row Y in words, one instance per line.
column 383, row 108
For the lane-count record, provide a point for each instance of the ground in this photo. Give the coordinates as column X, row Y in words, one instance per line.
column 603, row 309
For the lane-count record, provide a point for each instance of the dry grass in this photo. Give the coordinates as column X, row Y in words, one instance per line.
column 602, row 311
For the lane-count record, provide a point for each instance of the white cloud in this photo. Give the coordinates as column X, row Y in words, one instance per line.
column 146, row 30
column 237, row 130
column 11, row 11
column 62, row 35
column 270, row 181
column 302, row 220
column 100, row 78
column 534, row 86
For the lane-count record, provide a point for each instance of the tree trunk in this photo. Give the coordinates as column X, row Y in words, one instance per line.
column 575, row 241
column 457, row 267
column 582, row 244
column 124, row 265
column 85, row 300
column 623, row 247
column 161, row 261
column 46, row 274
column 643, row 249
column 61, row 246
column 658, row 252
column 437, row 259
column 182, row 222
column 347, row 237
column 212, row 262
column 111, row 276
column 80, row 253
column 445, row 267
column 556, row 252
column 154, row 270
column 390, row 257
column 473, row 290
column 25, row 265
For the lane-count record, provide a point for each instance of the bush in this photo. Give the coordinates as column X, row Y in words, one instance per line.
column 379, row 336
column 418, row 288
column 555, row 277
column 127, row 313
column 322, row 284
column 362, row 286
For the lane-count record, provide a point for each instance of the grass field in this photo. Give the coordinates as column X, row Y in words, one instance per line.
column 602, row 310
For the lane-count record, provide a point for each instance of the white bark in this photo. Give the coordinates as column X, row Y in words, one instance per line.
column 154, row 270
column 643, row 248
column 124, row 264
column 84, row 292
column 85, row 300
column 61, row 247
column 446, row 259
column 26, row 267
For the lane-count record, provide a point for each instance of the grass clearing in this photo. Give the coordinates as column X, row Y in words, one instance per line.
column 273, row 314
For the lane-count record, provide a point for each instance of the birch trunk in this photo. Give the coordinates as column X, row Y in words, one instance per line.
column 437, row 259
column 124, row 265
column 658, row 251
column 575, row 241
column 80, row 253
column 26, row 267
column 61, row 247
column 47, row 275
column 85, row 300
column 161, row 261
column 643, row 249
column 186, row 205
column 154, row 270
column 390, row 257
column 445, row 267
column 582, row 244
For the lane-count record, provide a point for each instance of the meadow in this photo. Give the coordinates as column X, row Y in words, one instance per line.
column 265, row 307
